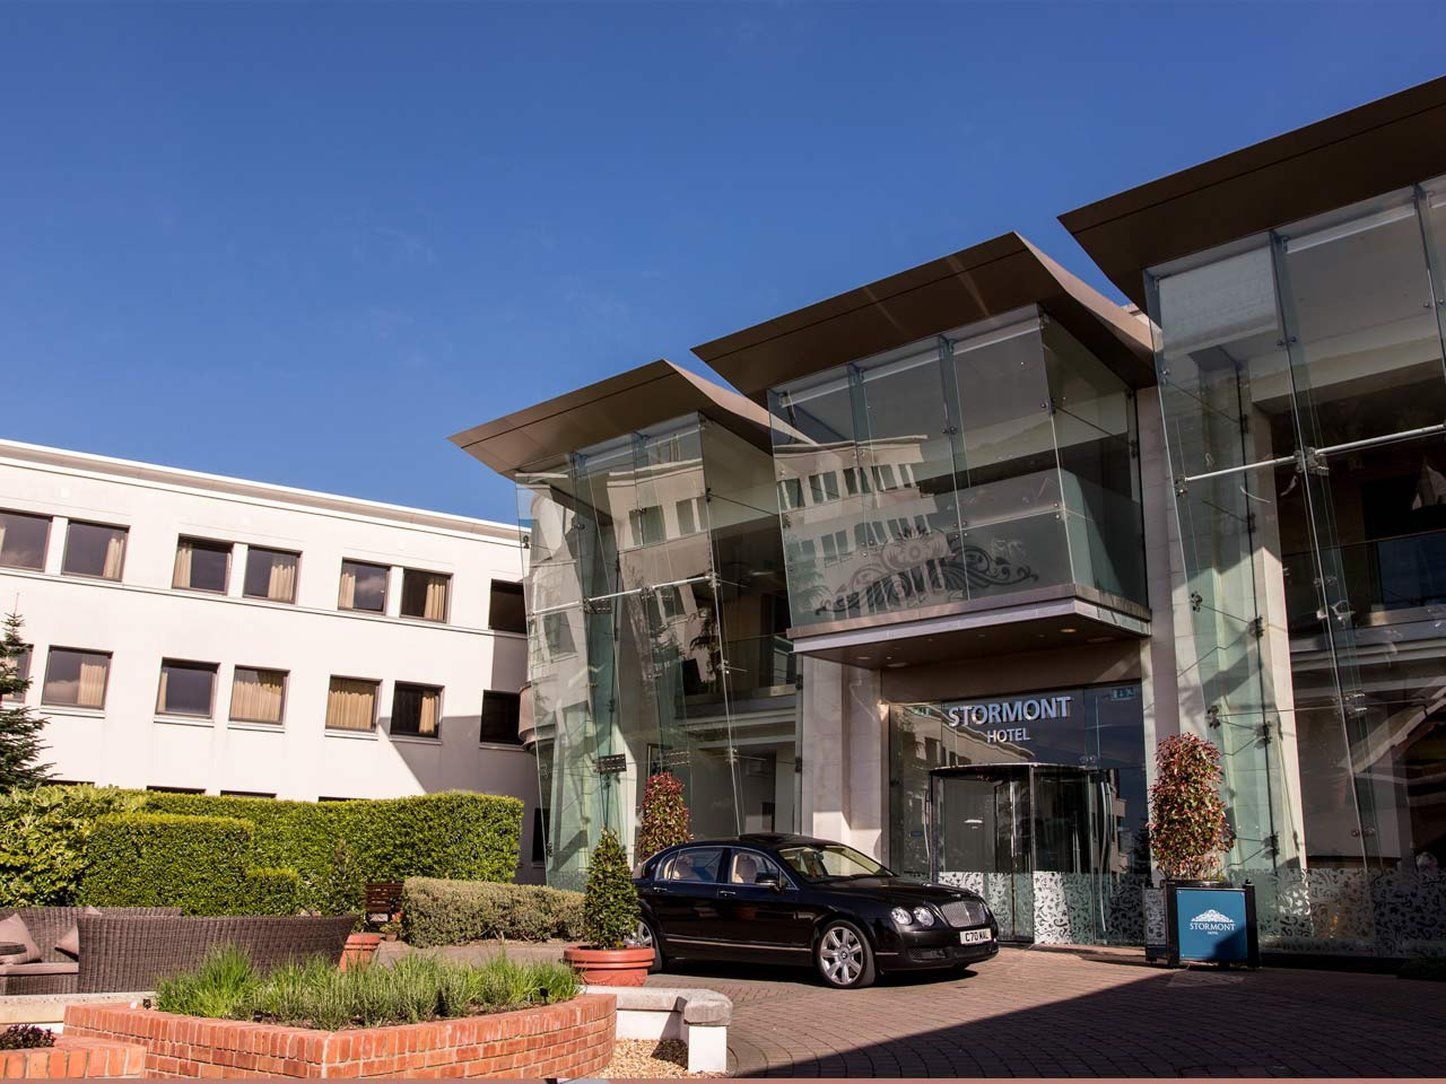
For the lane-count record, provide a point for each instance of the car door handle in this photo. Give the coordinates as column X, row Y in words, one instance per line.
column 661, row 890
column 722, row 892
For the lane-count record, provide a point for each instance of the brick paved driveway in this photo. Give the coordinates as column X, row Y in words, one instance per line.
column 1037, row 1013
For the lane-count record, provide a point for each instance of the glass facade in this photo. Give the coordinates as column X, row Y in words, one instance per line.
column 989, row 461
column 656, row 610
column 1304, row 399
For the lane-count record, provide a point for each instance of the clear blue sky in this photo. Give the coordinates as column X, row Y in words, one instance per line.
column 304, row 243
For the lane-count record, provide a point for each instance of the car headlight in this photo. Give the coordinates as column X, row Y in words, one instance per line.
column 901, row 916
column 924, row 917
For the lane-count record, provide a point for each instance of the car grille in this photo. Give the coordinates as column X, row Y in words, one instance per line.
column 961, row 913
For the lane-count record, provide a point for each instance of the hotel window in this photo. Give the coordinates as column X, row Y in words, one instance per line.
column 835, row 547
column 351, row 704
column 690, row 515
column 187, row 688
column 887, row 479
column 23, row 539
column 271, row 574
column 363, row 587
column 424, row 594
column 93, row 549
column 823, row 487
column 416, row 710
column 22, row 670
column 258, row 696
column 856, row 480
column 202, row 565
column 647, row 525
column 501, row 712
column 790, row 493
column 75, row 678
column 505, row 612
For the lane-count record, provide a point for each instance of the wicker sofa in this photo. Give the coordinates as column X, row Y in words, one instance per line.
column 57, row 973
column 129, row 948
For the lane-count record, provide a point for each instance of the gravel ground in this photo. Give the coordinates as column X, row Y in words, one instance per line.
column 649, row 1059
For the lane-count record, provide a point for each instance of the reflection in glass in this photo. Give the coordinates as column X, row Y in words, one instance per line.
column 22, row 540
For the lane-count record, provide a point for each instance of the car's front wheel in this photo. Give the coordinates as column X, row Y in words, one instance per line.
column 843, row 956
column 647, row 937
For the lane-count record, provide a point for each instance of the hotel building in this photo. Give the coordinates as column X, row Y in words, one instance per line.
column 960, row 546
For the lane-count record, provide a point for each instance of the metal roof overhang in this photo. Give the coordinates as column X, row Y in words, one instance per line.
column 975, row 284
column 1387, row 144
column 637, row 399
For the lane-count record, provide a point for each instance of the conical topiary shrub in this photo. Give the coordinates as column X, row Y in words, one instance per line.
column 610, row 908
column 665, row 816
column 1189, row 830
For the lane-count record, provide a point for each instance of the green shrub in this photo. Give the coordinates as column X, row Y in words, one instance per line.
column 43, row 835
column 161, row 860
column 316, row 994
column 610, row 907
column 440, row 912
column 272, row 892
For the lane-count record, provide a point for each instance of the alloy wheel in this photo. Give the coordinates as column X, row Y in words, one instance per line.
column 842, row 956
column 643, row 936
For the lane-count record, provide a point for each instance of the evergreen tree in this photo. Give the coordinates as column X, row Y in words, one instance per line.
column 610, row 907
column 20, row 726
column 665, row 815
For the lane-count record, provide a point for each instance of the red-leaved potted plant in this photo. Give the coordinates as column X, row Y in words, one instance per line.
column 665, row 816
column 610, row 913
column 1189, row 830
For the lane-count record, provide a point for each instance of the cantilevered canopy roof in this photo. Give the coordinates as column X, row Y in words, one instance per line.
column 634, row 400
column 975, row 284
column 1387, row 144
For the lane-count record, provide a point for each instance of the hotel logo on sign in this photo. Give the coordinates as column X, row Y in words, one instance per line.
column 996, row 718
column 1213, row 922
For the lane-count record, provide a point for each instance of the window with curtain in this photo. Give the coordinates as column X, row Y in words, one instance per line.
column 187, row 688
column 23, row 539
column 505, row 611
column 21, row 666
column 424, row 594
column 351, row 704
column 363, row 587
column 202, row 565
column 258, row 696
column 271, row 574
column 501, row 713
column 93, row 549
column 76, row 678
column 417, row 710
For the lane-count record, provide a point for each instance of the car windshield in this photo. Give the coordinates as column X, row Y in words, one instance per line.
column 822, row 861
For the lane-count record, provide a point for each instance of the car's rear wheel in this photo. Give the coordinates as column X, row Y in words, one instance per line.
column 843, row 956
column 647, row 937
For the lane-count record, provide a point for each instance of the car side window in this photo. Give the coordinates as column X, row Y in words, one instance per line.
column 747, row 866
column 696, row 864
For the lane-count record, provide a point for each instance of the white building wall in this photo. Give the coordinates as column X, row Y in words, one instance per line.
column 141, row 620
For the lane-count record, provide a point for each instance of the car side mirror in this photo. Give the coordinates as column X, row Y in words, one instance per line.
column 769, row 879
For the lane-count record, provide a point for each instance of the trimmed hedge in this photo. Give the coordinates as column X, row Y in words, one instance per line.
column 273, row 891
column 441, row 912
column 43, row 835
column 161, row 860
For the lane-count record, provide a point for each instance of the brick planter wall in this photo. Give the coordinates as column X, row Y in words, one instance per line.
column 573, row 1039
column 74, row 1058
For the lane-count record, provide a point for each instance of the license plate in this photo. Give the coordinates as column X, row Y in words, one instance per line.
column 974, row 937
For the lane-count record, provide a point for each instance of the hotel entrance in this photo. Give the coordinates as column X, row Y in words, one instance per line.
column 1039, row 842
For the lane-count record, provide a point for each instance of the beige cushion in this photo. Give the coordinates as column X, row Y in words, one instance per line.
column 65, row 967
column 14, row 929
column 69, row 942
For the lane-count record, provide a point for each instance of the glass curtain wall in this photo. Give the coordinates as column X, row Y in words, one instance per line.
column 655, row 614
column 1304, row 398
column 992, row 460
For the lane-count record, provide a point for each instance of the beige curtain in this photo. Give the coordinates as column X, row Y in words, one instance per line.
column 257, row 695
column 282, row 586
column 351, row 705
column 182, row 577
column 427, row 724
column 436, row 605
column 347, row 599
column 115, row 551
column 91, row 693
column 414, row 702
column 424, row 594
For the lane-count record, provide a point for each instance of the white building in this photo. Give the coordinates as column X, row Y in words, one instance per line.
column 201, row 633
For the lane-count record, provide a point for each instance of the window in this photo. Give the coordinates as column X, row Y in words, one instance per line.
column 23, row 539
column 258, row 696
column 501, row 713
column 647, row 525
column 76, row 678
column 202, row 565
column 248, row 794
column 694, row 864
column 416, row 710
column 22, row 670
column 351, row 704
column 690, row 515
column 187, row 688
column 424, row 594
column 747, row 865
column 271, row 574
column 93, row 549
column 790, row 493
column 835, row 547
column 539, row 835
column 823, row 487
column 505, row 611
column 363, row 587
column 176, row 790
column 557, row 632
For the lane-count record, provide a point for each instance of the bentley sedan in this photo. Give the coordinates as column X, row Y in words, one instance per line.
column 789, row 899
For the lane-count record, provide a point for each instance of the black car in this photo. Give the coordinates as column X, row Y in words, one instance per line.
column 795, row 900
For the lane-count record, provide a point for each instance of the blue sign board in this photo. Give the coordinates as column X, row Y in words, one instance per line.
column 1213, row 925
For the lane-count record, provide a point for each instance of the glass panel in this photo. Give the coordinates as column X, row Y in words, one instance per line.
column 500, row 717
column 425, row 594
column 76, row 678
column 258, row 696
column 92, row 549
column 202, row 565
column 351, row 704
column 23, row 539
column 416, row 710
column 271, row 574
column 186, row 688
column 363, row 587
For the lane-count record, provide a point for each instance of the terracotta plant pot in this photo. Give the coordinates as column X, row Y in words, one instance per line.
column 609, row 967
column 360, row 948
